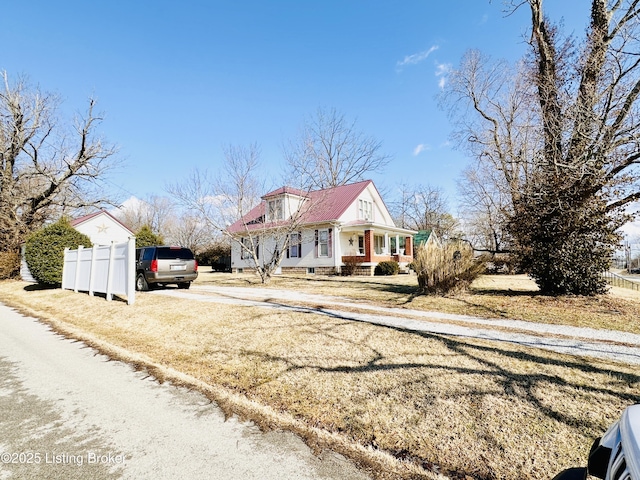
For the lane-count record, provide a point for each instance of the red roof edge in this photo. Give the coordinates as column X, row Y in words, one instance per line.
column 287, row 190
column 85, row 218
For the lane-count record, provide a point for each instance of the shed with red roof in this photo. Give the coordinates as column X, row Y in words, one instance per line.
column 102, row 228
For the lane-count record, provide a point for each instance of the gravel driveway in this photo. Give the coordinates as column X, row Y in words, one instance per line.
column 588, row 342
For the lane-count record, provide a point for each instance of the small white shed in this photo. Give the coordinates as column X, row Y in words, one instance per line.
column 102, row 228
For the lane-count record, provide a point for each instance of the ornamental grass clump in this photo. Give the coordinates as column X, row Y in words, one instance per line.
column 443, row 269
column 9, row 265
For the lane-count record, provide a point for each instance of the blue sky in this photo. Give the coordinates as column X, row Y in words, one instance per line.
column 179, row 80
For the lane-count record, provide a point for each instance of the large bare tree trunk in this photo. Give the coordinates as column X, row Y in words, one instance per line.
column 563, row 131
column 45, row 171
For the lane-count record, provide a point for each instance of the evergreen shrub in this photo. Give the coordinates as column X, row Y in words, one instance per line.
column 44, row 250
column 389, row 267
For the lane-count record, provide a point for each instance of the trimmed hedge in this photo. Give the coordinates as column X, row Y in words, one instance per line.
column 389, row 267
column 44, row 250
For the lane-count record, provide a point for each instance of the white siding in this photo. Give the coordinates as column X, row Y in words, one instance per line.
column 308, row 258
column 102, row 230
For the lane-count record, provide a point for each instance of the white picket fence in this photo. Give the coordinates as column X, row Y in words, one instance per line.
column 109, row 269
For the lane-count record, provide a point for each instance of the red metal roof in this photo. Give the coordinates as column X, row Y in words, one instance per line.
column 79, row 220
column 285, row 189
column 324, row 206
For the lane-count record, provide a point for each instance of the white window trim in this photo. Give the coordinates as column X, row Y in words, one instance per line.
column 247, row 255
column 383, row 249
column 365, row 210
column 295, row 241
column 275, row 210
column 321, row 243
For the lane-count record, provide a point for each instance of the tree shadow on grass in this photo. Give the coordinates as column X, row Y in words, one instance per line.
column 541, row 384
column 494, row 360
column 35, row 287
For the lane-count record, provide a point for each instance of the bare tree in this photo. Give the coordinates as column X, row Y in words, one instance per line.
column 190, row 231
column 47, row 168
column 424, row 207
column 330, row 152
column 484, row 209
column 563, row 131
column 230, row 203
column 154, row 211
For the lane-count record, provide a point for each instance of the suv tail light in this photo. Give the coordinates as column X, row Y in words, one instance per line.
column 196, row 265
column 154, row 265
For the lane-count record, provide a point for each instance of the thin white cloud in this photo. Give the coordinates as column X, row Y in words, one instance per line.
column 416, row 57
column 442, row 72
column 420, row 148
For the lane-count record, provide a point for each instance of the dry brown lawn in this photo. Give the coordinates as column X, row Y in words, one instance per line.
column 404, row 404
column 491, row 296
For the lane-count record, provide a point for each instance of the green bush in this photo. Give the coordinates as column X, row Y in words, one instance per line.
column 389, row 267
column 446, row 268
column 217, row 255
column 44, row 250
column 146, row 238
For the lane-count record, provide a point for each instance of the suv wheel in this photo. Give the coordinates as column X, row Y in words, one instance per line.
column 141, row 283
column 184, row 285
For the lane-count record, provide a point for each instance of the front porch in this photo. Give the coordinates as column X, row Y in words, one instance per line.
column 364, row 249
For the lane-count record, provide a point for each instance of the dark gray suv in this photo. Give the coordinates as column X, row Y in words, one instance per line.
column 161, row 265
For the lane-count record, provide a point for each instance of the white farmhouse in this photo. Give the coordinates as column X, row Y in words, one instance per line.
column 349, row 224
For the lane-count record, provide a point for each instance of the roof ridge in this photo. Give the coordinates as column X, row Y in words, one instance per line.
column 89, row 216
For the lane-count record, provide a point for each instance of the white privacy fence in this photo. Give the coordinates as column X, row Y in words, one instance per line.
column 108, row 269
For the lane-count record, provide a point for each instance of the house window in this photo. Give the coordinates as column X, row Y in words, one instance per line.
column 360, row 245
column 275, row 210
column 400, row 241
column 365, row 210
column 246, row 249
column 295, row 245
column 323, row 243
column 378, row 244
column 311, row 270
column 245, row 244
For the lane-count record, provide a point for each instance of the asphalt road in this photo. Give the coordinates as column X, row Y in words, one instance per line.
column 68, row 412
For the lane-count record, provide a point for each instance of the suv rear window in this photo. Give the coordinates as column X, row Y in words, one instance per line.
column 166, row 253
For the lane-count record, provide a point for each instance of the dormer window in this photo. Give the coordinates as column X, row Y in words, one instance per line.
column 275, row 210
column 365, row 210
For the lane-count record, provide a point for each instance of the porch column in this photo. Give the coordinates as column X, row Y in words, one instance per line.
column 397, row 252
column 368, row 245
column 408, row 246
column 387, row 245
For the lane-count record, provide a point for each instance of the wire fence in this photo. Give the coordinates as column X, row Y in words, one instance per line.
column 620, row 281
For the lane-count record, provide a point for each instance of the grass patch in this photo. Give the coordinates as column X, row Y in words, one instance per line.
column 433, row 403
column 490, row 296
